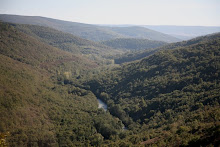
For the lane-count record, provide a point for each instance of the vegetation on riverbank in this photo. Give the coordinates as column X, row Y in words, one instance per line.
column 48, row 94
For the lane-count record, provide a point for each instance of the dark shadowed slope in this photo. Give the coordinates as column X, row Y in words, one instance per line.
column 133, row 43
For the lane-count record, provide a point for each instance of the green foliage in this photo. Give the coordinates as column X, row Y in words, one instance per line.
column 68, row 42
column 172, row 90
column 134, row 55
column 133, row 43
column 137, row 55
column 34, row 108
column 48, row 97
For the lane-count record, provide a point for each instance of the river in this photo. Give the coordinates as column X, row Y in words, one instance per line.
column 105, row 107
column 102, row 105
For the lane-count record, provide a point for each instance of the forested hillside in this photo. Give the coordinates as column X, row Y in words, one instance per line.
column 137, row 55
column 29, row 50
column 49, row 88
column 67, row 42
column 170, row 98
column 37, row 105
column 133, row 43
column 90, row 32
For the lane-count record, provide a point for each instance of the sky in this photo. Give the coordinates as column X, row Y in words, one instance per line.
column 136, row 12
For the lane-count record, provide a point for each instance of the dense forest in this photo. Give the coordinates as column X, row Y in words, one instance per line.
column 70, row 43
column 37, row 109
column 49, row 87
column 133, row 43
column 136, row 55
column 171, row 96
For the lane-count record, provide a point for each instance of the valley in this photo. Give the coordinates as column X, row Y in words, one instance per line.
column 73, row 84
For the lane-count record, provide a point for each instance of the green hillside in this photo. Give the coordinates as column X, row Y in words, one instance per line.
column 90, row 32
column 170, row 98
column 48, row 94
column 29, row 50
column 137, row 55
column 38, row 112
column 70, row 43
column 37, row 105
column 133, row 43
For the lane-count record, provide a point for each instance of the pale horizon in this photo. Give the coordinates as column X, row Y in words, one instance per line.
column 121, row 12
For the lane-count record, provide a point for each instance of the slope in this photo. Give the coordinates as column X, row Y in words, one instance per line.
column 90, row 32
column 172, row 97
column 68, row 42
column 86, row 31
column 132, row 43
column 37, row 108
column 29, row 50
column 132, row 56
column 141, row 32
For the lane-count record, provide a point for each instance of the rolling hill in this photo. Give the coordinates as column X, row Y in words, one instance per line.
column 30, row 50
column 38, row 106
column 69, row 42
column 133, row 44
column 170, row 98
column 137, row 55
column 90, row 32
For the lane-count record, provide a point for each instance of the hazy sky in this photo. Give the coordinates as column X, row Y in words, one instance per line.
column 140, row 12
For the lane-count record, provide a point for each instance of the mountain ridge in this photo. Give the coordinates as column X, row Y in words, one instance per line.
column 67, row 42
column 91, row 32
column 132, row 56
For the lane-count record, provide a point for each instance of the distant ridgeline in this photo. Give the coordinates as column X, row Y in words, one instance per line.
column 50, row 82
column 132, row 56
column 185, row 32
column 90, row 32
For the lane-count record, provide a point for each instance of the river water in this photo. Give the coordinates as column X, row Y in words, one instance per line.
column 105, row 107
column 102, row 105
